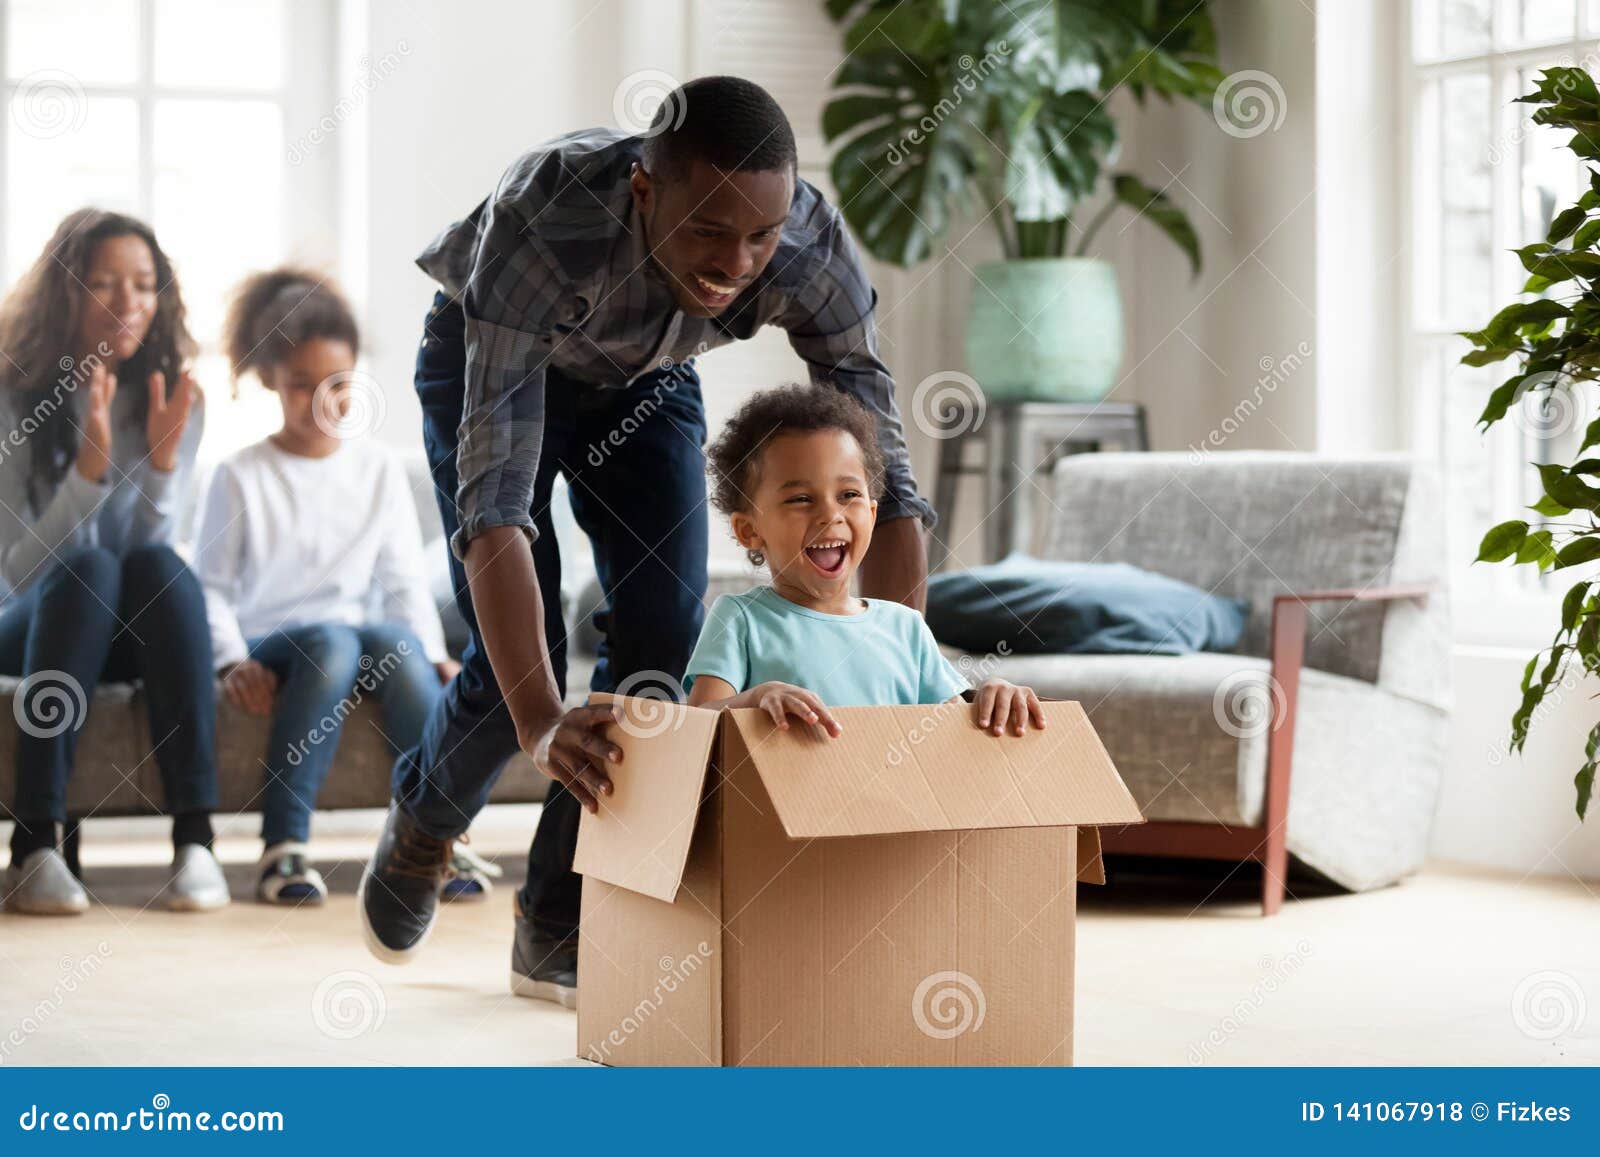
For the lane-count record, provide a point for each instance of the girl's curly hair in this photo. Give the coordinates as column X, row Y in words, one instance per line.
column 733, row 461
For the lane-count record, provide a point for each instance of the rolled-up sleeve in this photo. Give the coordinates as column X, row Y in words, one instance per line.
column 831, row 326
column 507, row 302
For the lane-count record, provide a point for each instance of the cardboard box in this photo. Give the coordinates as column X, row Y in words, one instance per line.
column 903, row 894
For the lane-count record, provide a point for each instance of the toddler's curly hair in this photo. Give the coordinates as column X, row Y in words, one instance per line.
column 733, row 461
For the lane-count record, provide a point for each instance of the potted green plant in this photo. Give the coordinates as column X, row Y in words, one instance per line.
column 951, row 105
column 1555, row 339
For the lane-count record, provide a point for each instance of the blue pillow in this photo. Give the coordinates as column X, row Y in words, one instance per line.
column 1035, row 607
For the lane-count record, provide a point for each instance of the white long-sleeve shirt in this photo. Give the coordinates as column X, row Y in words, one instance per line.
column 286, row 541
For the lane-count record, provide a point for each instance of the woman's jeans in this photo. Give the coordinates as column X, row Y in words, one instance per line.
column 98, row 618
column 326, row 670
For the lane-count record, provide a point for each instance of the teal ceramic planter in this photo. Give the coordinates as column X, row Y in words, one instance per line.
column 1045, row 329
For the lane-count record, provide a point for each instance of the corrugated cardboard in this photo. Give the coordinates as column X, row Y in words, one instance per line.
column 902, row 894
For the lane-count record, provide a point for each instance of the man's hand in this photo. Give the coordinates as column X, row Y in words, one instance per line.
column 781, row 700
column 250, row 687
column 574, row 752
column 896, row 566
column 997, row 701
column 446, row 669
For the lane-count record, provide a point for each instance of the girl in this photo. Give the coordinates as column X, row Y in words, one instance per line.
column 311, row 560
column 797, row 471
column 104, row 422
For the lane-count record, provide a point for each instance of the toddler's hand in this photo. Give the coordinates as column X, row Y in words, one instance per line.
column 998, row 701
column 781, row 700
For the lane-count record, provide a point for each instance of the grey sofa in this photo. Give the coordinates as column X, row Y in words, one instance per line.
column 1341, row 677
column 115, row 775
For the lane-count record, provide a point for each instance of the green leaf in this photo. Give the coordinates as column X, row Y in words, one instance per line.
column 1537, row 548
column 1503, row 326
column 1564, row 224
column 1579, row 551
column 1586, row 234
column 1549, row 507
column 1157, row 208
column 1572, row 604
column 1566, row 489
column 1502, row 541
column 1489, row 356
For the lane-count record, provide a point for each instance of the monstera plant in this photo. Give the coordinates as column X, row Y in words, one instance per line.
column 1000, row 108
column 1554, row 338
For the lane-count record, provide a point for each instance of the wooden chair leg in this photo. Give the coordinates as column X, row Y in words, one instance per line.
column 1274, row 870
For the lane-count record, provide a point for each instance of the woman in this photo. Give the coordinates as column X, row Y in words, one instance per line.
column 104, row 423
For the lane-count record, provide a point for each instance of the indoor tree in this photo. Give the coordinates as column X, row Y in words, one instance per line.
column 1554, row 338
column 1001, row 106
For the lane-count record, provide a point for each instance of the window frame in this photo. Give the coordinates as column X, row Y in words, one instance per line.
column 310, row 189
column 1519, row 609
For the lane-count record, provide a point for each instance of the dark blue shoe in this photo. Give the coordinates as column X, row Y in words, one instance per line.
column 399, row 893
column 543, row 967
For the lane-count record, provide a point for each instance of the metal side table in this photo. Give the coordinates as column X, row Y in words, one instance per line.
column 1022, row 441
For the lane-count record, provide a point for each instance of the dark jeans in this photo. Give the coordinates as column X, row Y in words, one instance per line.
column 634, row 462
column 96, row 618
column 324, row 671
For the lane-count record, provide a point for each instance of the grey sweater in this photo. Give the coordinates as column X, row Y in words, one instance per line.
column 133, row 505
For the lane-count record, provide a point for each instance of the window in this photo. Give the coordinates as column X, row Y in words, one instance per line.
column 179, row 112
column 1484, row 180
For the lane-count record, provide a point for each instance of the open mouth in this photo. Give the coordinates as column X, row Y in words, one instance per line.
column 828, row 556
column 711, row 292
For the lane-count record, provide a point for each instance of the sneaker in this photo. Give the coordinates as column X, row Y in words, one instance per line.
column 542, row 967
column 287, row 877
column 43, row 885
column 197, row 883
column 399, row 892
column 470, row 875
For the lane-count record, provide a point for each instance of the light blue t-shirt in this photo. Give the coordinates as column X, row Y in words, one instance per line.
column 884, row 656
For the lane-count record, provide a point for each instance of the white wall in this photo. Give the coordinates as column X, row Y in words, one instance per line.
column 1299, row 222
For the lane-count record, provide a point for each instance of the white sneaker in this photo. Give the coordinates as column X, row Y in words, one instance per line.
column 197, row 883
column 43, row 885
column 287, row 877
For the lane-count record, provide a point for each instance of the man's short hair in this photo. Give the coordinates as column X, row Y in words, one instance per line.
column 726, row 121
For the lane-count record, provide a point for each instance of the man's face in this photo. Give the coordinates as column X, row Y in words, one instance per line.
column 712, row 232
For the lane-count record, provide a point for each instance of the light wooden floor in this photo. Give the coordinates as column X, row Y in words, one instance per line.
column 1454, row 967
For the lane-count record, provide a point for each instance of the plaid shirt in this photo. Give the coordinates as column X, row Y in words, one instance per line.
column 552, row 272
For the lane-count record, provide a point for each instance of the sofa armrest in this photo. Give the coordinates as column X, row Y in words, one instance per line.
column 1283, row 688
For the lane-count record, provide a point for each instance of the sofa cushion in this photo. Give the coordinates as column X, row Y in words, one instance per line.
column 117, row 776
column 1188, row 733
column 1031, row 606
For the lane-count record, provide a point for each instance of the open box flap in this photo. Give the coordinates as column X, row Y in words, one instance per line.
column 929, row 768
column 640, row 838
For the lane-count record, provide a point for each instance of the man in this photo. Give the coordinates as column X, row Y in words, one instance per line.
column 573, row 303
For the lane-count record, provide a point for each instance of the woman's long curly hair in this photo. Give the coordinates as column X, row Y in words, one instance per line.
column 38, row 332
